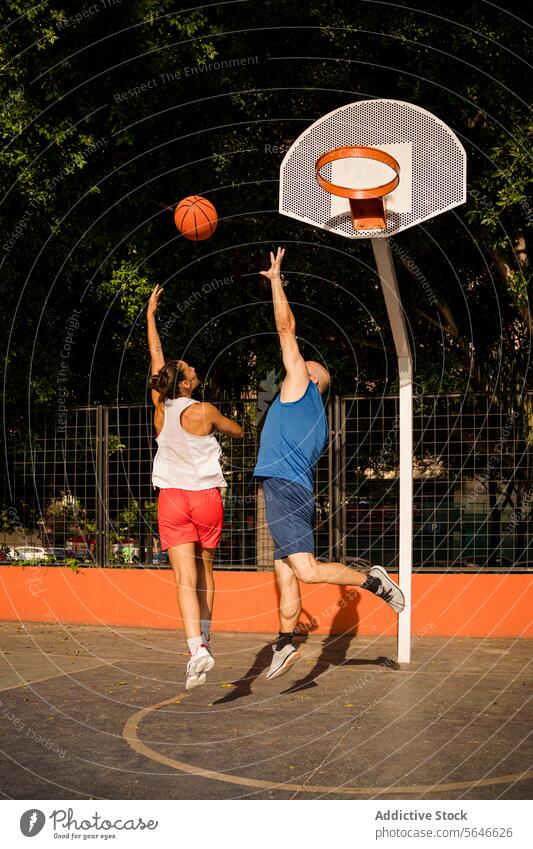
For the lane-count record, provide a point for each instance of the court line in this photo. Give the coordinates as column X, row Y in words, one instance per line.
column 130, row 734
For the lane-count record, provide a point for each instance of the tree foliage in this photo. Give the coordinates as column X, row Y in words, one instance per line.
column 113, row 113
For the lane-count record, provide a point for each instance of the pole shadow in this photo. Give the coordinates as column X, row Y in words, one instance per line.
column 333, row 652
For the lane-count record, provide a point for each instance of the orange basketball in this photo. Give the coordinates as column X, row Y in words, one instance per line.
column 196, row 218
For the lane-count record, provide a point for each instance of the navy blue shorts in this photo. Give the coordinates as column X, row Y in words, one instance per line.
column 290, row 515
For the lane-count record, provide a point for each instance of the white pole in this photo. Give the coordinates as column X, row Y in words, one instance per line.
column 391, row 293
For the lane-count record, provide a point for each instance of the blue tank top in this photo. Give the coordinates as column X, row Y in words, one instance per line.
column 293, row 438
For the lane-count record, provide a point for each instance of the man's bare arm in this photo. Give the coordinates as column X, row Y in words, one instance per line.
column 297, row 378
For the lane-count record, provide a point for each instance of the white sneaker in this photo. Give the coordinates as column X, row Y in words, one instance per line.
column 200, row 663
column 282, row 661
column 381, row 584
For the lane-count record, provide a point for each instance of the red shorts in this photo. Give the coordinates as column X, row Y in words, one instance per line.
column 186, row 515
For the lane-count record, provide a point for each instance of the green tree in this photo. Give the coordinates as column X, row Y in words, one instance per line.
column 105, row 125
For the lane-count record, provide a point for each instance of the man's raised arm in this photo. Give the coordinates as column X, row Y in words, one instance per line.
column 297, row 377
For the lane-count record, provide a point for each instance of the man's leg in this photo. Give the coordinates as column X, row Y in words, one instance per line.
column 285, row 654
column 311, row 571
column 290, row 603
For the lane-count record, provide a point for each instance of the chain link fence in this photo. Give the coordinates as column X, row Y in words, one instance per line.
column 77, row 486
column 472, row 481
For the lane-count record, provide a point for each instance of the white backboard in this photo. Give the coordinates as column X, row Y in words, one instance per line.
column 432, row 167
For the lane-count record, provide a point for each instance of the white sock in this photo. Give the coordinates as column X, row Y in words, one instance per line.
column 194, row 644
column 205, row 625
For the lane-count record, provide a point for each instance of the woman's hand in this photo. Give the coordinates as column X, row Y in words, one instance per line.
column 274, row 272
column 155, row 298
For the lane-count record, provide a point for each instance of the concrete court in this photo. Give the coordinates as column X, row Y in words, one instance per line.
column 95, row 712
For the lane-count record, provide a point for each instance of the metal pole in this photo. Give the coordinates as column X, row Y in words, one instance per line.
column 105, row 486
column 99, row 556
column 102, row 485
column 337, row 502
column 331, row 505
column 342, row 446
column 391, row 293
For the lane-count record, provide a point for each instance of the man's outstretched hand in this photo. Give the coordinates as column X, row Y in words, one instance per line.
column 155, row 298
column 274, row 271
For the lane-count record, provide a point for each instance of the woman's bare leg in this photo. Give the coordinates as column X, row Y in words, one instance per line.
column 206, row 581
column 183, row 561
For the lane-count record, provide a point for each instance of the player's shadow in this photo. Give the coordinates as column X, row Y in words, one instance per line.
column 333, row 652
column 243, row 686
column 335, row 646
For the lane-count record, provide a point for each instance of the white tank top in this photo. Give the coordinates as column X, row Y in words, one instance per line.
column 183, row 460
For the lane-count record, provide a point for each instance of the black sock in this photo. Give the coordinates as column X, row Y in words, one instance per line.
column 284, row 639
column 372, row 584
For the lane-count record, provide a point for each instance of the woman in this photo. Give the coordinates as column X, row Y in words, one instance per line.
column 188, row 474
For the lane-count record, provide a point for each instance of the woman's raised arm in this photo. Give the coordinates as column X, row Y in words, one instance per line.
column 154, row 342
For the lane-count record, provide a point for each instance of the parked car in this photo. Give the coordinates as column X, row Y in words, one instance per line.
column 30, row 552
column 159, row 558
column 5, row 554
column 84, row 556
column 58, row 554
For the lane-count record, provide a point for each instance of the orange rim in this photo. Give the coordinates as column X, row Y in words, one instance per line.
column 357, row 152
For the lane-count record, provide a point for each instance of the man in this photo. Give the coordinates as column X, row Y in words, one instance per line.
column 293, row 437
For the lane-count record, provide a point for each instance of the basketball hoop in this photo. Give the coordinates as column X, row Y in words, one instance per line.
column 369, row 143
column 366, row 204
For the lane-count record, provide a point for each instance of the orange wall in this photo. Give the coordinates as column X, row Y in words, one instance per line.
column 443, row 604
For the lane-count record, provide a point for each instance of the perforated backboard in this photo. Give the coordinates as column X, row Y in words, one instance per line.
column 432, row 167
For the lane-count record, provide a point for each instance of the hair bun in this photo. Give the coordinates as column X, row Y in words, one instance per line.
column 159, row 382
column 167, row 380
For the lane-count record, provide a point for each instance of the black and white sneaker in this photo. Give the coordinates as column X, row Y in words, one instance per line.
column 379, row 583
column 282, row 661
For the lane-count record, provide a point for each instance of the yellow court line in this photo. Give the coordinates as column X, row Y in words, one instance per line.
column 130, row 734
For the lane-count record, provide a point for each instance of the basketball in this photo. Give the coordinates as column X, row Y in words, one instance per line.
column 196, row 218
